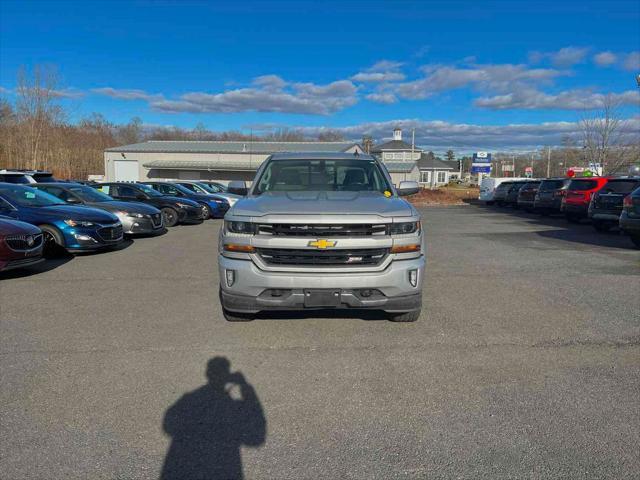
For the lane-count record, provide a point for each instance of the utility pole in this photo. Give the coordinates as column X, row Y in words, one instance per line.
column 413, row 142
column 548, row 161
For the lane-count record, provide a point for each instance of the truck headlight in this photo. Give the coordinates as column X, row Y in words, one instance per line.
column 404, row 228
column 240, row 227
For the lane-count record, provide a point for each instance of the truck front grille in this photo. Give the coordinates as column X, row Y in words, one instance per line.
column 319, row 230
column 360, row 256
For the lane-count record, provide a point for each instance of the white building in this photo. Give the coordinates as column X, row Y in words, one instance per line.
column 202, row 160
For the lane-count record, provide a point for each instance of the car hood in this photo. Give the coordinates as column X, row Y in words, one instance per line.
column 347, row 203
column 131, row 207
column 184, row 200
column 63, row 212
column 16, row 227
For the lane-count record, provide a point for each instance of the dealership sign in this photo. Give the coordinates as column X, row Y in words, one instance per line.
column 481, row 162
column 482, row 157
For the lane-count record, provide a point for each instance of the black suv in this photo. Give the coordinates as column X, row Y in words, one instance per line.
column 174, row 210
column 549, row 196
column 512, row 194
column 606, row 204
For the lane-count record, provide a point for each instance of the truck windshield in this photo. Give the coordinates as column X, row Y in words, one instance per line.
column 322, row 175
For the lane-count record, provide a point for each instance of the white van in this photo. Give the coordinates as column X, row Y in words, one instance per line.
column 489, row 185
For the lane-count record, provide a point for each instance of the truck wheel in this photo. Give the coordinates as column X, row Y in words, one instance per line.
column 236, row 316
column 636, row 240
column 170, row 217
column 601, row 227
column 405, row 317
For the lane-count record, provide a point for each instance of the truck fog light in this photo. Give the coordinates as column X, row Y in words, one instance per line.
column 231, row 277
column 413, row 277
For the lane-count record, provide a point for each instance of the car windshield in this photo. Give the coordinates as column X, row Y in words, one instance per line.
column 148, row 190
column 29, row 197
column 205, row 188
column 621, row 186
column 89, row 194
column 182, row 188
column 322, row 175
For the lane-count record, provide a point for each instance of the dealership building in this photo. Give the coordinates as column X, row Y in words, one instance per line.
column 202, row 160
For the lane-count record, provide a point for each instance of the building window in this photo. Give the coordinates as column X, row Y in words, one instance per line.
column 442, row 177
column 425, row 177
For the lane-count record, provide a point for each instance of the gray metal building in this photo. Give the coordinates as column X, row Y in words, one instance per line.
column 202, row 160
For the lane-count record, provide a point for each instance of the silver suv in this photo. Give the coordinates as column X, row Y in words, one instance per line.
column 319, row 230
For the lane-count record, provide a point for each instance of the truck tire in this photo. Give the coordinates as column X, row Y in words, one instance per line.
column 405, row 317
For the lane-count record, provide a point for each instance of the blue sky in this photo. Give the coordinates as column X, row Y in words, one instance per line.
column 464, row 74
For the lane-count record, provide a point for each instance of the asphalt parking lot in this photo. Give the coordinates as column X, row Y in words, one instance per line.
column 524, row 364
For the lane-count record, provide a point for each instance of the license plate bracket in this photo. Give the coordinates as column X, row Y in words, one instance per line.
column 321, row 298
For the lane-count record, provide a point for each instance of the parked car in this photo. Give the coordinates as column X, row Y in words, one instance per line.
column 527, row 195
column 74, row 228
column 630, row 216
column 14, row 176
column 206, row 189
column 511, row 199
column 39, row 175
column 214, row 206
column 215, row 187
column 174, row 209
column 136, row 217
column 575, row 201
column 549, row 195
column 606, row 204
column 500, row 194
column 488, row 188
column 20, row 244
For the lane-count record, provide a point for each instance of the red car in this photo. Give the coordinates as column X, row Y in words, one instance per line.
column 20, row 244
column 575, row 202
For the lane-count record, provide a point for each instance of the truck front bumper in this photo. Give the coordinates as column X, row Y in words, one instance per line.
column 255, row 290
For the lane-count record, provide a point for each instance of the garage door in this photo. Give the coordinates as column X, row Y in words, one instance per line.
column 125, row 171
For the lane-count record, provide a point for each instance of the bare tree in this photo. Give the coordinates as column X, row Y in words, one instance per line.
column 37, row 109
column 603, row 137
column 330, row 136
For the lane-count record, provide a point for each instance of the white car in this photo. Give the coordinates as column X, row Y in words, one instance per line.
column 489, row 185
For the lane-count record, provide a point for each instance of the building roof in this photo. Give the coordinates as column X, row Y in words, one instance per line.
column 400, row 167
column 191, row 146
column 427, row 163
column 455, row 164
column 394, row 145
column 207, row 165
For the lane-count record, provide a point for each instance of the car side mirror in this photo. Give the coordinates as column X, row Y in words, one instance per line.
column 73, row 200
column 408, row 187
column 238, row 187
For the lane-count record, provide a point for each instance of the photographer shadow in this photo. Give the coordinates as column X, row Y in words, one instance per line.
column 209, row 425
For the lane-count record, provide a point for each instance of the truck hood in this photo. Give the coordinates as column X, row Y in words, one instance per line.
column 310, row 203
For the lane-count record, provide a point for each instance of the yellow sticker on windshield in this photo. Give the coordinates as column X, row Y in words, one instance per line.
column 387, row 193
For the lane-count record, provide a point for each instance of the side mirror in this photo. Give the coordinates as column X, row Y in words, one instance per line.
column 238, row 187
column 73, row 200
column 408, row 187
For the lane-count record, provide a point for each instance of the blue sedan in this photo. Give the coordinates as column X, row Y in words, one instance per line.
column 215, row 205
column 76, row 229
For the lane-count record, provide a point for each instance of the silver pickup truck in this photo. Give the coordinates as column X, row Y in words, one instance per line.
column 321, row 230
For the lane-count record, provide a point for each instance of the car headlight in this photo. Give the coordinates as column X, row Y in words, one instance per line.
column 78, row 223
column 240, row 227
column 404, row 228
column 183, row 205
column 136, row 215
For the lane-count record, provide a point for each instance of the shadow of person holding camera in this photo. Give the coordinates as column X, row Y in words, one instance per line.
column 209, row 425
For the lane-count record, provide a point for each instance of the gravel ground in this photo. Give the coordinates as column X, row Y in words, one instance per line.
column 524, row 364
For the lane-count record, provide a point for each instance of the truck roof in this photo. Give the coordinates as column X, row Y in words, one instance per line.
column 320, row 156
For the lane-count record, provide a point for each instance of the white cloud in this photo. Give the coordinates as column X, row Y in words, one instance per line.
column 382, row 71
column 269, row 94
column 632, row 62
column 565, row 57
column 438, row 134
column 605, row 59
column 126, row 94
column 492, row 77
column 386, row 98
column 532, row 99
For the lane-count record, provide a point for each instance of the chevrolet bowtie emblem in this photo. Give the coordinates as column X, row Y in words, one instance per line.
column 322, row 244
